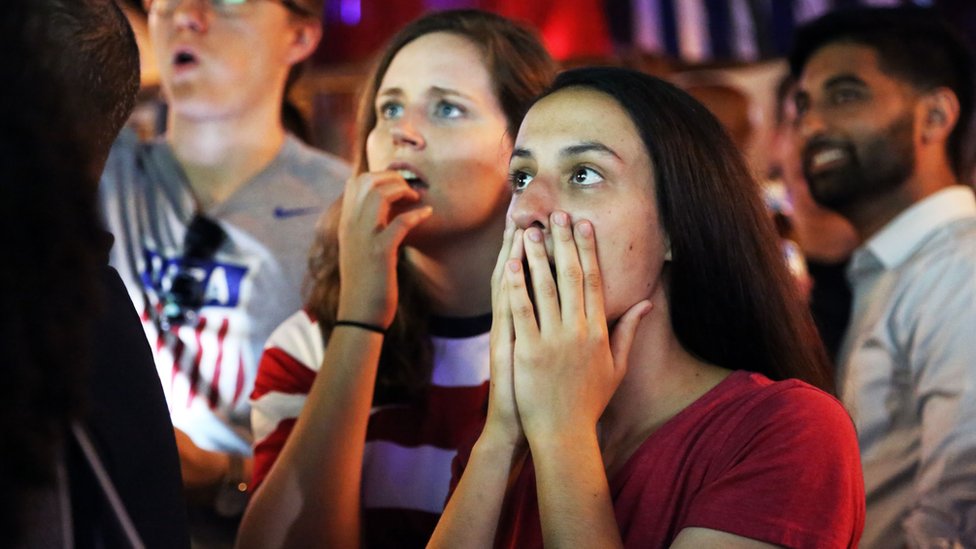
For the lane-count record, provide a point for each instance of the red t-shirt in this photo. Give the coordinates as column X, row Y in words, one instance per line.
column 772, row 461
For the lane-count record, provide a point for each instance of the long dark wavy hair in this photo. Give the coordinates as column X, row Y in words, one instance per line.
column 520, row 69
column 731, row 299
column 53, row 243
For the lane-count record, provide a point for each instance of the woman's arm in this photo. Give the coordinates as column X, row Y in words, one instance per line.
column 471, row 516
column 311, row 496
column 574, row 497
column 567, row 367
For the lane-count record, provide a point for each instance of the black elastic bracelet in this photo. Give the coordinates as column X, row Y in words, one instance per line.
column 363, row 325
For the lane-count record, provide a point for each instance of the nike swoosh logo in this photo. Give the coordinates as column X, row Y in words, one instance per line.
column 281, row 212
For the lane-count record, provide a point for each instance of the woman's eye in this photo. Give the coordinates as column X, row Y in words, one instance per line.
column 445, row 109
column 390, row 110
column 519, row 180
column 586, row 176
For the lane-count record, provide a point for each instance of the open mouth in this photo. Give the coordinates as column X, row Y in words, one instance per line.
column 184, row 59
column 412, row 179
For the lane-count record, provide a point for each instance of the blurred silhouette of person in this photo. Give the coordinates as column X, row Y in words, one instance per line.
column 89, row 457
column 213, row 221
column 824, row 237
column 883, row 103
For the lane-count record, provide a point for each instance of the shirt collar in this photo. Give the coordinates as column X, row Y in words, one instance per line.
column 906, row 232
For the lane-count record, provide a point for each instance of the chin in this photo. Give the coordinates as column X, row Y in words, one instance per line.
column 426, row 236
column 832, row 191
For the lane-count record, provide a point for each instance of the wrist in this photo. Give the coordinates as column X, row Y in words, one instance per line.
column 380, row 316
column 232, row 494
column 498, row 444
column 377, row 320
column 558, row 441
column 358, row 325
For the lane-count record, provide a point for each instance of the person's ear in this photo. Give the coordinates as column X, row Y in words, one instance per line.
column 307, row 35
column 941, row 114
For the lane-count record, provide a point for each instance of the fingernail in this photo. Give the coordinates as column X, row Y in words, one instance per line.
column 514, row 266
column 560, row 218
column 535, row 235
column 585, row 228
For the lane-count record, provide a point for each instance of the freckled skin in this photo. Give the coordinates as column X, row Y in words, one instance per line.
column 462, row 157
column 621, row 207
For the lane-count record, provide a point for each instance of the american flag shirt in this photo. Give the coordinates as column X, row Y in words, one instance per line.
column 207, row 366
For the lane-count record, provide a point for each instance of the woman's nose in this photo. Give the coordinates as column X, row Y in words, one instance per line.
column 405, row 133
column 532, row 206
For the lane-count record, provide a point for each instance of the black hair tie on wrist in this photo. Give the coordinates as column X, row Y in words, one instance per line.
column 361, row 325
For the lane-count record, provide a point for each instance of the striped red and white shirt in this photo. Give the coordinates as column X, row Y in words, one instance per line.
column 409, row 448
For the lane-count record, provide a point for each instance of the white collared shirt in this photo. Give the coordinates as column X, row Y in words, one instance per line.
column 908, row 373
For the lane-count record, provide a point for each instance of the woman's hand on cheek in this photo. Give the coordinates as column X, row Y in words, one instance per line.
column 503, row 419
column 567, row 366
column 372, row 226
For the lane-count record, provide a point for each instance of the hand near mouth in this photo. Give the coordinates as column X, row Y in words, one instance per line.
column 567, row 364
column 503, row 423
column 372, row 226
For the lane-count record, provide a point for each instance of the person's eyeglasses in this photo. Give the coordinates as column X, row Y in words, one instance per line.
column 187, row 291
column 222, row 7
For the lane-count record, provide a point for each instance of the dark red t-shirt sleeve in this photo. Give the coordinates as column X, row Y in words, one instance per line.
column 791, row 475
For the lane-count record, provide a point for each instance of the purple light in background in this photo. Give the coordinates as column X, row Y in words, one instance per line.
column 450, row 4
column 351, row 12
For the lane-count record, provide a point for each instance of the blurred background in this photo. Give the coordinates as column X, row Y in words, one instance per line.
column 727, row 53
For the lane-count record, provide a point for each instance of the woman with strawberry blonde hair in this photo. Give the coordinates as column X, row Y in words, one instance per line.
column 362, row 399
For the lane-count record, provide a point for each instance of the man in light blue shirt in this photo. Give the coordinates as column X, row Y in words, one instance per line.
column 884, row 99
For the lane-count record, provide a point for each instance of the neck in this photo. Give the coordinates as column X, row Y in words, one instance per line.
column 219, row 155
column 824, row 235
column 456, row 275
column 662, row 379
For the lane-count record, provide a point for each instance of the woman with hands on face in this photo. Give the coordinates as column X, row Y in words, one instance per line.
column 363, row 398
column 655, row 378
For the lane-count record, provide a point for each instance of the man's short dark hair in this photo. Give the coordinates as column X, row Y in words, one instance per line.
column 913, row 45
column 98, row 61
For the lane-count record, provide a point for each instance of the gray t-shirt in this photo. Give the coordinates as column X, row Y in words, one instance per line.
column 207, row 366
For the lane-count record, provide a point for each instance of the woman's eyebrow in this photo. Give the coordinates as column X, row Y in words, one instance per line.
column 573, row 150
column 434, row 91
column 388, row 92
column 441, row 92
column 588, row 146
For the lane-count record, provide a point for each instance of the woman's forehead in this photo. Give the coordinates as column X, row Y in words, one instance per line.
column 580, row 114
column 439, row 59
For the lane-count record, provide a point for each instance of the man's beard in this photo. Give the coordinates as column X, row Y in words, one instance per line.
column 882, row 164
